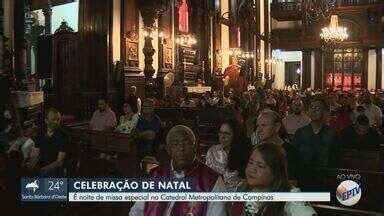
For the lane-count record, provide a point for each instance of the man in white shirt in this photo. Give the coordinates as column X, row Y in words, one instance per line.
column 372, row 111
column 181, row 146
column 296, row 119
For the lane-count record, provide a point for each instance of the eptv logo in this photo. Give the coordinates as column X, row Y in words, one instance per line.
column 348, row 193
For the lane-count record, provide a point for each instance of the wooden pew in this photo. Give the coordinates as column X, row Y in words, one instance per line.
column 361, row 160
column 203, row 115
column 3, row 167
column 91, row 143
column 204, row 122
column 330, row 210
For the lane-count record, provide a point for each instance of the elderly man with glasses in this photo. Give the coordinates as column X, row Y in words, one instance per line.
column 181, row 147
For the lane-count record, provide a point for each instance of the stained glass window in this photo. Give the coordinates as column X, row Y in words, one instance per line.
column 343, row 69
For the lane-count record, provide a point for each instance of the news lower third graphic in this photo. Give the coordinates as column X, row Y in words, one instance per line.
column 144, row 189
column 348, row 193
column 44, row 189
column 349, row 190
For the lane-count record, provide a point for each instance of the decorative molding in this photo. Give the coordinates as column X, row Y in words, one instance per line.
column 167, row 54
column 64, row 27
column 132, row 49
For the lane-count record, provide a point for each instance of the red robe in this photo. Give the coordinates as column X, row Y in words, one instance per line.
column 204, row 178
column 235, row 81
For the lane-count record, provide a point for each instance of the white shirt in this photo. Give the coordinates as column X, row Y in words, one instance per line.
column 190, row 103
column 217, row 159
column 374, row 114
column 290, row 208
column 213, row 208
column 127, row 125
column 292, row 122
column 138, row 105
column 255, row 138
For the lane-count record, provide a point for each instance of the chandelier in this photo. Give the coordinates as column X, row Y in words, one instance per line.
column 316, row 9
column 333, row 33
column 235, row 51
column 247, row 55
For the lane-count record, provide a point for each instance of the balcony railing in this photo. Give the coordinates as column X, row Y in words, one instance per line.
column 344, row 3
column 297, row 5
column 286, row 6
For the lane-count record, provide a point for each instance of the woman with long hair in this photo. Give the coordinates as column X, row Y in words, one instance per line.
column 128, row 120
column 266, row 172
column 229, row 158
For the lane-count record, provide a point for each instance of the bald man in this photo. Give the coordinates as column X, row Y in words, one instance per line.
column 148, row 129
column 52, row 146
column 181, row 147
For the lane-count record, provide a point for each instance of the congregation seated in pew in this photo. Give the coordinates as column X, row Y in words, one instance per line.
column 268, row 127
column 187, row 102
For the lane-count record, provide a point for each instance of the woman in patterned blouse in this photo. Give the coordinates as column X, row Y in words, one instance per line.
column 229, row 158
column 128, row 121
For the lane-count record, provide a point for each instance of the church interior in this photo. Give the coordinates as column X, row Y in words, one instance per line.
column 93, row 88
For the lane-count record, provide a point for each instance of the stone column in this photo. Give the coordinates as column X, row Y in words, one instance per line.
column 364, row 79
column 148, row 50
column 19, row 40
column 379, row 72
column 306, row 67
column 1, row 37
column 318, row 69
column 47, row 11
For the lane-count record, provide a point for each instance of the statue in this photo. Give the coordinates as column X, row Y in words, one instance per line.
column 232, row 74
column 183, row 17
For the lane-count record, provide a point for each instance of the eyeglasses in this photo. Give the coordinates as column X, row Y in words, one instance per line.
column 225, row 133
column 316, row 108
column 176, row 144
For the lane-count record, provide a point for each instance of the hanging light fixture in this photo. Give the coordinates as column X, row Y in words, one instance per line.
column 247, row 55
column 235, row 51
column 317, row 9
column 334, row 33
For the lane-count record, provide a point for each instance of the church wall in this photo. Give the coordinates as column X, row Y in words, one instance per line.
column 312, row 70
column 8, row 20
column 371, row 69
column 116, row 26
column 262, row 44
column 382, row 69
column 279, row 68
column 285, row 24
column 225, row 45
column 224, row 8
